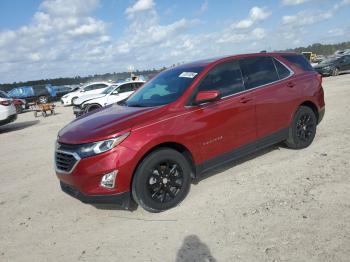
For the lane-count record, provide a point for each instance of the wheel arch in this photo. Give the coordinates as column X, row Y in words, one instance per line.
column 311, row 105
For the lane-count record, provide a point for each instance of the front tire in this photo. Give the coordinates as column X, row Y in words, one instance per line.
column 303, row 128
column 162, row 180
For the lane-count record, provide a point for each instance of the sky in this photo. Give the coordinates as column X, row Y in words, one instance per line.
column 41, row 39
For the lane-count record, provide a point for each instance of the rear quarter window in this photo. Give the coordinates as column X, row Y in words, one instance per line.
column 300, row 61
column 283, row 72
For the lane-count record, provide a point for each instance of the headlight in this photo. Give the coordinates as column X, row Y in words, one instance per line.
column 95, row 148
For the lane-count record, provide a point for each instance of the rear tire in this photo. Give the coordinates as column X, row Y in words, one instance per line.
column 303, row 128
column 162, row 180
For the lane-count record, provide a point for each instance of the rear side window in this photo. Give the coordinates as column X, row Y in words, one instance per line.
column 300, row 61
column 283, row 72
column 258, row 71
column 40, row 90
column 226, row 77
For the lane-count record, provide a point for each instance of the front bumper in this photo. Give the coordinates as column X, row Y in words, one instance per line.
column 85, row 175
column 120, row 199
column 8, row 120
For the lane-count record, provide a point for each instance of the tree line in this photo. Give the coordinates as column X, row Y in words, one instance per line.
column 319, row 49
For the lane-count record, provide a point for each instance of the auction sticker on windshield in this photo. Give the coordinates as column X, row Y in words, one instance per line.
column 188, row 74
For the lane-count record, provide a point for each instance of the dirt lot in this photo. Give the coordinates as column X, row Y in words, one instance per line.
column 278, row 205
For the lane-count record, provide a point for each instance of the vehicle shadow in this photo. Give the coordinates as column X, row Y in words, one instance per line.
column 228, row 165
column 194, row 250
column 17, row 126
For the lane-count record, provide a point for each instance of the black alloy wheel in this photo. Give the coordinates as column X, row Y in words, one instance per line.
column 162, row 180
column 303, row 128
column 165, row 181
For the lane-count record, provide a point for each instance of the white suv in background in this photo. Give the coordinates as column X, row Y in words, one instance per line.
column 7, row 109
column 91, row 88
column 110, row 95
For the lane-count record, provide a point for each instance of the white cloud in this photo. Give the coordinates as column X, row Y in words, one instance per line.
column 306, row 18
column 139, row 6
column 60, row 36
column 255, row 14
column 294, row 2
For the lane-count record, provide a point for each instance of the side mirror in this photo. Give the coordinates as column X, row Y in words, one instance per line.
column 207, row 96
column 115, row 93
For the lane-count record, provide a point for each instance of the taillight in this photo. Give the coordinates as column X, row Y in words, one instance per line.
column 6, row 102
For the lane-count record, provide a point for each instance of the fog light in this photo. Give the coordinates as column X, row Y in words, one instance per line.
column 108, row 180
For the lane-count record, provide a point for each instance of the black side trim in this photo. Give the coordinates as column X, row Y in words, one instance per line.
column 122, row 199
column 242, row 151
column 8, row 120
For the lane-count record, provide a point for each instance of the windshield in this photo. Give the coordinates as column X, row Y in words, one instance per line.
column 108, row 90
column 165, row 88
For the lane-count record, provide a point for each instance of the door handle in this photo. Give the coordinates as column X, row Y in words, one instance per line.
column 245, row 100
column 290, row 84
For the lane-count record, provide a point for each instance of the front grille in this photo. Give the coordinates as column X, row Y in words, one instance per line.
column 65, row 161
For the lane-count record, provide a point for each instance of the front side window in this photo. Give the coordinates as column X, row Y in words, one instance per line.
column 226, row 77
column 258, row 71
column 165, row 88
column 125, row 88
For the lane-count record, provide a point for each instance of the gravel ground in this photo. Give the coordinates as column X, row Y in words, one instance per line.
column 278, row 205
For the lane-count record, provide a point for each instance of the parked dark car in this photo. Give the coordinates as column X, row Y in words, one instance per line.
column 37, row 93
column 185, row 121
column 333, row 66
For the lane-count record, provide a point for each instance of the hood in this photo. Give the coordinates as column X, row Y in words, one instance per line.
column 106, row 123
column 86, row 97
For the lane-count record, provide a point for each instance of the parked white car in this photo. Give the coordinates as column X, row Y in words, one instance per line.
column 92, row 88
column 7, row 109
column 110, row 95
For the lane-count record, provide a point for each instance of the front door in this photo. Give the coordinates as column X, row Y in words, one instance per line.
column 228, row 123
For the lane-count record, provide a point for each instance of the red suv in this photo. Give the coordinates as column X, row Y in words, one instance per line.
column 185, row 121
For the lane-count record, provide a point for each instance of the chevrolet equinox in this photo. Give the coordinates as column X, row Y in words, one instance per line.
column 185, row 121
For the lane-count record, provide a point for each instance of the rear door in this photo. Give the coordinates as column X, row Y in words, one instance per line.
column 274, row 91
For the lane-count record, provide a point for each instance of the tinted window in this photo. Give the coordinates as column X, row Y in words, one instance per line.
column 300, row 61
column 282, row 71
column 165, row 88
column 227, row 78
column 258, row 71
column 126, row 88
